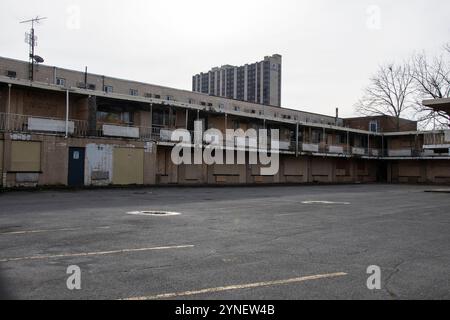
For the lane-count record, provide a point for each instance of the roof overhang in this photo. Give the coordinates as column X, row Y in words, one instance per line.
column 438, row 104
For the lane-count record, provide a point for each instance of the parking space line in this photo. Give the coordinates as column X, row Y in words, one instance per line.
column 47, row 231
column 100, row 253
column 241, row 287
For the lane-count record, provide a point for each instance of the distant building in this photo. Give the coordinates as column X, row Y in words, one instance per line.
column 259, row 82
column 381, row 124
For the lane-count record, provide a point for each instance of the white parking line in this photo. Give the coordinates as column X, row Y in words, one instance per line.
column 100, row 253
column 240, row 287
column 46, row 231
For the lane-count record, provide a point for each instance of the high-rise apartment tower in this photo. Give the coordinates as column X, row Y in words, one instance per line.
column 259, row 82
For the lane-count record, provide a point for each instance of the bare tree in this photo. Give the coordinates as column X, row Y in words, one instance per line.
column 447, row 47
column 390, row 93
column 432, row 81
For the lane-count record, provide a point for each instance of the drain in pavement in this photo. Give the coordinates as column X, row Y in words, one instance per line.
column 154, row 213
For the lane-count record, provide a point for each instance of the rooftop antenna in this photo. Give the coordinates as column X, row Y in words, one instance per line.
column 31, row 40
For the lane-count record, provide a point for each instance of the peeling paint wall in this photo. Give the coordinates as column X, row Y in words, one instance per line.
column 99, row 164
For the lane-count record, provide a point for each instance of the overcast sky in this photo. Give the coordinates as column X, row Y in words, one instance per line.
column 330, row 48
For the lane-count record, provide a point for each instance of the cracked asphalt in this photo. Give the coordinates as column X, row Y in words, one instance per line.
column 227, row 237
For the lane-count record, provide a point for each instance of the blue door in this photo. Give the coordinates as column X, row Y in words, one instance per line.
column 76, row 167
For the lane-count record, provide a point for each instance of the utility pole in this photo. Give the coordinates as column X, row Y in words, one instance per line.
column 31, row 40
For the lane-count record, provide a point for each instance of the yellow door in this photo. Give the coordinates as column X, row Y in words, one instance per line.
column 128, row 166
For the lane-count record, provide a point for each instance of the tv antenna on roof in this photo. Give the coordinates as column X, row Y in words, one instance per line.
column 31, row 40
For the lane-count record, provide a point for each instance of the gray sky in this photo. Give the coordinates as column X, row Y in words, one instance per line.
column 330, row 48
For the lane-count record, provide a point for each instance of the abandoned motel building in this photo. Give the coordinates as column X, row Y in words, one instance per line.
column 70, row 128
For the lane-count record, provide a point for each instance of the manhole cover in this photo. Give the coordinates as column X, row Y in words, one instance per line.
column 154, row 213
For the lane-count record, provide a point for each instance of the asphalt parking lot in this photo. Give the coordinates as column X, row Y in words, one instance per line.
column 227, row 243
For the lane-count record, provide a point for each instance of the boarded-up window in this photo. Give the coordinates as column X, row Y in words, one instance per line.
column 25, row 156
column 361, row 165
column 162, row 162
column 128, row 166
column 293, row 168
column 193, row 172
column 342, row 167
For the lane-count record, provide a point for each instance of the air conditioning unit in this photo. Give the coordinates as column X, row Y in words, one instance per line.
column 11, row 74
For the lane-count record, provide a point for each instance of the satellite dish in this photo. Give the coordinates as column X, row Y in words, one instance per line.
column 38, row 59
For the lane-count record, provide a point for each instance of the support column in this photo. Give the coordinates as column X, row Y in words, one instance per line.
column 187, row 119
column 296, row 140
column 324, row 142
column 8, row 111
column 6, row 158
column 67, row 113
column 226, row 123
column 151, row 121
column 348, row 142
column 92, row 115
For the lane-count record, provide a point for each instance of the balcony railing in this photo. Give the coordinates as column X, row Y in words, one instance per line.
column 436, row 139
column 435, row 144
column 18, row 123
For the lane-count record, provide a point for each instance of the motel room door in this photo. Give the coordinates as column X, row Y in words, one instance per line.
column 76, row 167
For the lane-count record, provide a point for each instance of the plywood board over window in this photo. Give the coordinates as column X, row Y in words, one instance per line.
column 128, row 166
column 25, row 156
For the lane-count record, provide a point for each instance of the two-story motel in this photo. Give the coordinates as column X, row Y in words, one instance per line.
column 69, row 128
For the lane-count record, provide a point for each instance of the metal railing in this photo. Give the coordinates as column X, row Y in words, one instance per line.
column 18, row 123
column 415, row 153
column 435, row 139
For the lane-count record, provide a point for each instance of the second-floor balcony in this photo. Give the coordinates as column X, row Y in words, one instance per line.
column 17, row 123
column 435, row 144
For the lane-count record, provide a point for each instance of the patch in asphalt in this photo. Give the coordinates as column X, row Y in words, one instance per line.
column 438, row 191
column 325, row 202
column 154, row 213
